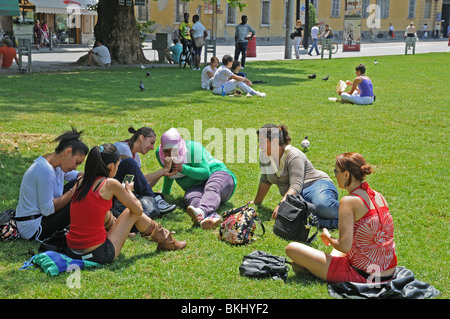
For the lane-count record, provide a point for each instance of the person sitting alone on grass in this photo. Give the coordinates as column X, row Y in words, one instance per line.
column 8, row 54
column 362, row 89
column 173, row 52
column 207, row 182
column 365, row 247
column 227, row 81
column 94, row 233
column 142, row 141
column 208, row 73
column 98, row 56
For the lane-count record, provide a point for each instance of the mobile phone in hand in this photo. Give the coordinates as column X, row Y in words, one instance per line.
column 128, row 178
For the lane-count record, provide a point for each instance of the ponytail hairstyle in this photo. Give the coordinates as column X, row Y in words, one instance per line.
column 71, row 139
column 271, row 131
column 145, row 131
column 355, row 164
column 97, row 162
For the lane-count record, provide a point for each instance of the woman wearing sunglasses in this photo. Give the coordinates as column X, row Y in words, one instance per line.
column 365, row 249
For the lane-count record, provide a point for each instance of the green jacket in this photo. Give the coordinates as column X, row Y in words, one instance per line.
column 200, row 165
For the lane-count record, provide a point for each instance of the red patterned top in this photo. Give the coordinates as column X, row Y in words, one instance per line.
column 373, row 247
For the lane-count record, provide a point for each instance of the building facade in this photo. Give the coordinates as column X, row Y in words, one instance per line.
column 268, row 17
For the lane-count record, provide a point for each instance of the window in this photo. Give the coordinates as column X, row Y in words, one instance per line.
column 335, row 8
column 316, row 5
column 412, row 9
column 142, row 10
column 384, row 8
column 180, row 8
column 265, row 12
column 231, row 14
column 365, row 5
column 427, row 13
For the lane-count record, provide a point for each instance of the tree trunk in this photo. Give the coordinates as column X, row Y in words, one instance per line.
column 116, row 27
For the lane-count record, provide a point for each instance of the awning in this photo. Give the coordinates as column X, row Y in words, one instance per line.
column 64, row 6
column 9, row 8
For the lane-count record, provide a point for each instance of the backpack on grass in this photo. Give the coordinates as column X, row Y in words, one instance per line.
column 295, row 219
column 239, row 224
column 8, row 227
column 259, row 264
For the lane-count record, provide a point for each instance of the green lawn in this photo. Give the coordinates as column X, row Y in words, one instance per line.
column 404, row 135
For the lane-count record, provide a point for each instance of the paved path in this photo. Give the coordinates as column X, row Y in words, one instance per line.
column 62, row 59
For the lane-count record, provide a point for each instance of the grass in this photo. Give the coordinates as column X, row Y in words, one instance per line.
column 404, row 135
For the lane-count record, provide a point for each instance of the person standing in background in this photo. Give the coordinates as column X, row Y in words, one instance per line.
column 298, row 36
column 244, row 32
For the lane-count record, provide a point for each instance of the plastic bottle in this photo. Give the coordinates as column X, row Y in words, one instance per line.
column 223, row 91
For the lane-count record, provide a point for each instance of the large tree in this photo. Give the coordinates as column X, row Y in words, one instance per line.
column 116, row 27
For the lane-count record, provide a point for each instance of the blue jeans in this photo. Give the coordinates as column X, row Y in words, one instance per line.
column 314, row 46
column 324, row 195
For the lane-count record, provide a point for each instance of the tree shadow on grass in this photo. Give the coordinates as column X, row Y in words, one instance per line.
column 116, row 91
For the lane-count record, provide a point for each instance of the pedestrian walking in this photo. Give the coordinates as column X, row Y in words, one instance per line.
column 315, row 38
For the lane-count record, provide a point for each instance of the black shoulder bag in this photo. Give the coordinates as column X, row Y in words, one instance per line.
column 295, row 219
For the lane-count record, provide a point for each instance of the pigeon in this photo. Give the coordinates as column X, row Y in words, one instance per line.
column 141, row 86
column 305, row 143
column 375, row 62
column 326, row 78
column 313, row 76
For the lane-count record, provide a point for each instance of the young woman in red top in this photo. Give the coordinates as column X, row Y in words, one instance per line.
column 365, row 250
column 94, row 233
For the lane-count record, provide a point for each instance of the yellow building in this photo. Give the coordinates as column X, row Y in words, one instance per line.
column 268, row 17
column 380, row 13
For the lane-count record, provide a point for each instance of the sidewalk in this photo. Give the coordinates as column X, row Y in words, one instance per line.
column 63, row 58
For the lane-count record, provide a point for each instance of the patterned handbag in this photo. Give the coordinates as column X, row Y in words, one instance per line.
column 239, row 224
column 8, row 228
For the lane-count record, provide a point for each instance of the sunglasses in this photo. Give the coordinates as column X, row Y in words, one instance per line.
column 335, row 172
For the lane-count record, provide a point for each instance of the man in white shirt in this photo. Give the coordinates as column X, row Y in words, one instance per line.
column 314, row 37
column 197, row 31
column 99, row 55
column 227, row 81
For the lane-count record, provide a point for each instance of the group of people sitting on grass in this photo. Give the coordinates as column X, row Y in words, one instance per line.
column 227, row 78
column 101, row 209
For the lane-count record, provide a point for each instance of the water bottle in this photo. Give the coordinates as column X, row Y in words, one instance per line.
column 223, row 91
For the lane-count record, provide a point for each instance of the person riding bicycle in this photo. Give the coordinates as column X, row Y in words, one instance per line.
column 184, row 32
column 327, row 33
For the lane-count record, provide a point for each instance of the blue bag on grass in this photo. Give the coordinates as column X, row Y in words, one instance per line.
column 53, row 263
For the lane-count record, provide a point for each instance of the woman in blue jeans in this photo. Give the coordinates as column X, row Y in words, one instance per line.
column 288, row 167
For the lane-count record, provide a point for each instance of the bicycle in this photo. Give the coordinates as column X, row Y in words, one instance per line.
column 189, row 57
column 62, row 40
column 334, row 47
column 55, row 41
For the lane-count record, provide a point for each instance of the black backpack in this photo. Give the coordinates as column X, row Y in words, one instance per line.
column 295, row 219
column 259, row 264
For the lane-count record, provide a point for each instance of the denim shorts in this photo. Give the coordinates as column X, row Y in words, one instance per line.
column 104, row 254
